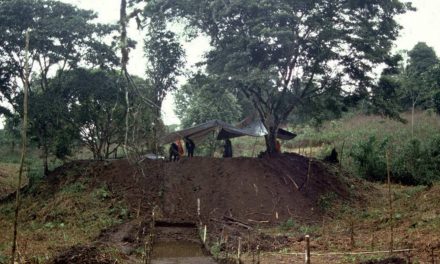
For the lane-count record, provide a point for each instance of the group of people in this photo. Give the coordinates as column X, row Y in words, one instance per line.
column 177, row 151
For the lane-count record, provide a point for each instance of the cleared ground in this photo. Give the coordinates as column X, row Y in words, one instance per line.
column 100, row 212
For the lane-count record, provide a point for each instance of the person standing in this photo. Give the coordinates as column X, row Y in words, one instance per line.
column 174, row 152
column 227, row 153
column 190, row 146
column 278, row 146
column 180, row 148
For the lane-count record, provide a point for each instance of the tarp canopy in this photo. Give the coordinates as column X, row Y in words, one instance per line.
column 224, row 131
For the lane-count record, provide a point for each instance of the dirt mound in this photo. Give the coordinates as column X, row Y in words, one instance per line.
column 236, row 194
column 252, row 190
column 271, row 189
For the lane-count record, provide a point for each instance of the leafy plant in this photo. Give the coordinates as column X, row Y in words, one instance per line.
column 370, row 158
column 288, row 225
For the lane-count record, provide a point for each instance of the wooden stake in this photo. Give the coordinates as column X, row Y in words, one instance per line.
column 239, row 250
column 352, row 242
column 205, row 230
column 198, row 207
column 390, row 202
column 258, row 254
column 307, row 249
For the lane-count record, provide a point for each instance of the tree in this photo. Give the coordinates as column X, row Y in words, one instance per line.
column 5, row 83
column 62, row 37
column 434, row 82
column 164, row 60
column 200, row 100
column 281, row 54
column 416, row 87
column 385, row 95
column 97, row 108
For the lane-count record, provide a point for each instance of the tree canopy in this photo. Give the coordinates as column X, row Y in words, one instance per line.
column 200, row 100
column 61, row 35
column 280, row 54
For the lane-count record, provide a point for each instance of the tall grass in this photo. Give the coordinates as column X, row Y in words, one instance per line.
column 363, row 141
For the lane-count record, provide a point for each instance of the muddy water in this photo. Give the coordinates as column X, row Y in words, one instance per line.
column 178, row 245
column 177, row 249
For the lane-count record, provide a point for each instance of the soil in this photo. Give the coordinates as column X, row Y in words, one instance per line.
column 393, row 260
column 236, row 195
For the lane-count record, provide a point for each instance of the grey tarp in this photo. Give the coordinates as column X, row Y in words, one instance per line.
column 223, row 131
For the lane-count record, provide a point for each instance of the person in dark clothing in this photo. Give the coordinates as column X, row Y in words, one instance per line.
column 174, row 152
column 228, row 149
column 333, row 157
column 190, row 146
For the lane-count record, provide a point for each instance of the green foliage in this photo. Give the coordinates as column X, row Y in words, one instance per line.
column 283, row 55
column 436, row 100
column 288, row 225
column 102, row 193
column 418, row 87
column 370, row 158
column 365, row 139
column 215, row 249
column 77, row 187
column 165, row 55
column 418, row 163
column 3, row 258
column 325, row 201
column 201, row 100
column 62, row 36
column 97, row 108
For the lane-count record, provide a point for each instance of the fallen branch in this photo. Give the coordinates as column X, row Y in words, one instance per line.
column 260, row 222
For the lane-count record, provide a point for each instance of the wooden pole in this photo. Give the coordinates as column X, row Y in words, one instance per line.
column 258, row 254
column 239, row 250
column 352, row 242
column 390, row 200
column 307, row 249
column 198, row 207
column 23, row 147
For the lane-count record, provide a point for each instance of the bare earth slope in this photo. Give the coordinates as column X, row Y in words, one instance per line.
column 269, row 189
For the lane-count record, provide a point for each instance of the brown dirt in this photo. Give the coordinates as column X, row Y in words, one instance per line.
column 236, row 194
column 83, row 254
column 248, row 189
column 393, row 260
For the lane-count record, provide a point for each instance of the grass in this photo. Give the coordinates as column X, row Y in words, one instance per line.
column 416, row 222
column 52, row 220
column 9, row 178
column 349, row 134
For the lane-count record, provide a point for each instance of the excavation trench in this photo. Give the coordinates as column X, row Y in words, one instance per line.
column 178, row 242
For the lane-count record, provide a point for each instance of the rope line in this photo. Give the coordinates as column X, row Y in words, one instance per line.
column 341, row 253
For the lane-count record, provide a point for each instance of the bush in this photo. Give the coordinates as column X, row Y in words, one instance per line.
column 418, row 163
column 369, row 156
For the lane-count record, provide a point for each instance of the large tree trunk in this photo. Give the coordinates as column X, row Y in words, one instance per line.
column 271, row 139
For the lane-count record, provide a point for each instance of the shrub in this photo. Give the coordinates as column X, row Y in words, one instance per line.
column 417, row 163
column 369, row 156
